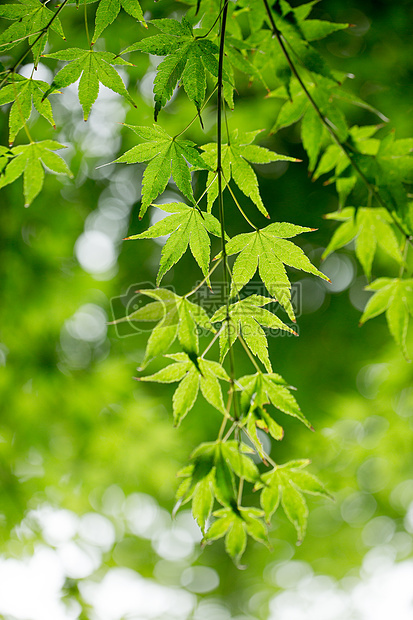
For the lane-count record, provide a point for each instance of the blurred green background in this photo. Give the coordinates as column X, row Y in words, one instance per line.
column 88, row 457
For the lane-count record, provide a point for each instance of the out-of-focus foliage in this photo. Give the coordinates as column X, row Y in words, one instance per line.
column 78, row 433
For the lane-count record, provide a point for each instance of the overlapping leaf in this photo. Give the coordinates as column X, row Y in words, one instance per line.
column 259, row 390
column 193, row 373
column 328, row 97
column 237, row 157
column 235, row 524
column 286, row 484
column 23, row 93
column 297, row 106
column 394, row 297
column 92, row 68
column 175, row 316
column 210, row 475
column 268, row 250
column 386, row 164
column 297, row 31
column 247, row 319
column 30, row 18
column 370, row 227
column 189, row 57
column 29, row 160
column 187, row 226
column 108, row 10
column 166, row 156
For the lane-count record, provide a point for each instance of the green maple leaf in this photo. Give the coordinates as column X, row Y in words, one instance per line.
column 394, row 297
column 370, row 227
column 386, row 164
column 268, row 250
column 29, row 160
column 210, row 475
column 268, row 58
column 297, row 106
column 108, row 11
column 237, row 157
column 298, row 31
column 30, row 18
column 247, row 317
column 235, row 523
column 24, row 93
column 260, row 390
column 166, row 156
column 286, row 484
column 175, row 316
column 188, row 227
column 236, row 53
column 189, row 58
column 193, row 373
column 92, row 68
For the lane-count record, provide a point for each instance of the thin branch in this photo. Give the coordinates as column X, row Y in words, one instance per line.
column 325, row 121
column 220, row 193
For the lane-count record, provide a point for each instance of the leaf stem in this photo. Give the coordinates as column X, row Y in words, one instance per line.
column 216, row 336
column 266, row 456
column 206, row 189
column 226, row 417
column 86, row 25
column 204, row 280
column 197, row 115
column 240, row 489
column 214, row 24
column 238, row 205
column 229, row 432
column 250, row 355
